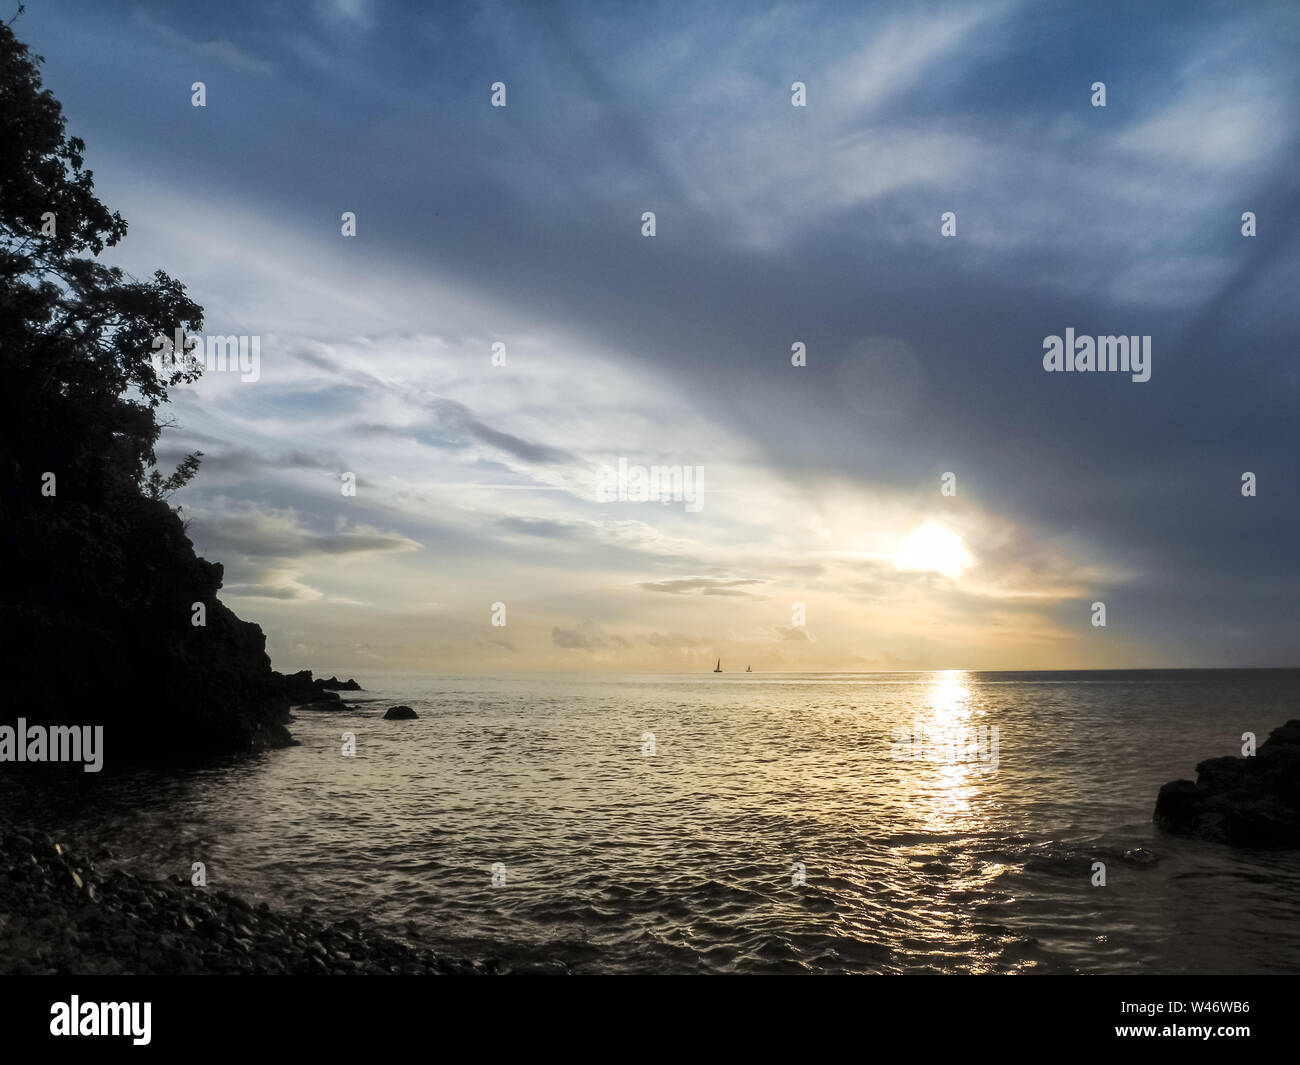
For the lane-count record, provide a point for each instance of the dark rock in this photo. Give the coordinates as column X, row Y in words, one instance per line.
column 296, row 687
column 118, row 583
column 1246, row 802
column 400, row 713
column 334, row 684
column 1140, row 856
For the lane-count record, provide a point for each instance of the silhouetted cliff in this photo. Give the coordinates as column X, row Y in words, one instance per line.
column 97, row 629
column 97, row 605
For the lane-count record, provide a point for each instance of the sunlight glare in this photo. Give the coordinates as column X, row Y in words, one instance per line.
column 935, row 548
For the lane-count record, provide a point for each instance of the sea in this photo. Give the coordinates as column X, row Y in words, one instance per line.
column 923, row 822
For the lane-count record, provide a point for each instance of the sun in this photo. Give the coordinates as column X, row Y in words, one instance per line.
column 934, row 548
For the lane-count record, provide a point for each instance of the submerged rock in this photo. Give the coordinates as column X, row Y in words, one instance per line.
column 1246, row 802
column 400, row 713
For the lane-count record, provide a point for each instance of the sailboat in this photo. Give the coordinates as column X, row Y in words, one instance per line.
column 718, row 667
column 749, row 669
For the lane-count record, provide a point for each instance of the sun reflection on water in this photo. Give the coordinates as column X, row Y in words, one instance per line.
column 949, row 767
column 948, row 804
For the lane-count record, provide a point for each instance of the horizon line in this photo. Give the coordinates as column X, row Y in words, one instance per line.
column 817, row 672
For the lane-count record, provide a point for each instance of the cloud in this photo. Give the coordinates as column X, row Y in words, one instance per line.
column 458, row 417
column 702, row 585
column 819, row 224
column 797, row 633
column 249, row 530
column 220, row 49
column 899, row 54
column 357, row 13
column 278, row 585
column 266, row 553
column 240, row 460
column 1211, row 131
column 585, row 637
column 675, row 640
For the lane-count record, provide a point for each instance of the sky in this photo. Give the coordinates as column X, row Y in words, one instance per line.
column 920, row 494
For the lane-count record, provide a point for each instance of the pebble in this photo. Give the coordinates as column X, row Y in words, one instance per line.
column 58, row 915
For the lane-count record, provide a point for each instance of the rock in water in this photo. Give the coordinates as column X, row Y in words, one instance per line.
column 1247, row 802
column 400, row 713
column 334, row 684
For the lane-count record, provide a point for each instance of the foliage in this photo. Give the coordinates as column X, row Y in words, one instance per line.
column 76, row 336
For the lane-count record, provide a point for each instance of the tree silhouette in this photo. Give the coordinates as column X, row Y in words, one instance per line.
column 101, row 582
column 76, row 336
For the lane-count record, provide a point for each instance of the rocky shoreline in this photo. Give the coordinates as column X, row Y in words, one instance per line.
column 59, row 915
column 1245, row 802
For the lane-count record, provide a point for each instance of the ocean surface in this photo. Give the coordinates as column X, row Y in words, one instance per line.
column 751, row 823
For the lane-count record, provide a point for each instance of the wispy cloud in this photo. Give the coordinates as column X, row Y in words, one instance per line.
column 476, row 482
column 219, row 49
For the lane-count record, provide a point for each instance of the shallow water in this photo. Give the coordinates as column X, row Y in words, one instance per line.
column 682, row 861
